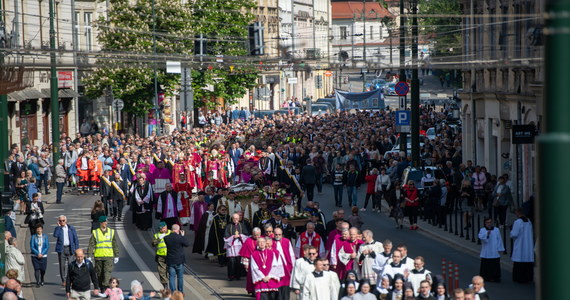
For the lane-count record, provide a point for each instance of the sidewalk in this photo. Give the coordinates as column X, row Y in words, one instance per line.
column 461, row 238
column 24, row 244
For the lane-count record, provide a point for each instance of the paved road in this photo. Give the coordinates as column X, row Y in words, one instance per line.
column 206, row 280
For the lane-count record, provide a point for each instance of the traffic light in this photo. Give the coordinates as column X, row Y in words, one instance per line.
column 255, row 36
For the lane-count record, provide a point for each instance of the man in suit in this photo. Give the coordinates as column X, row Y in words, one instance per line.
column 309, row 179
column 65, row 246
column 235, row 154
column 125, row 170
column 17, row 168
column 175, row 258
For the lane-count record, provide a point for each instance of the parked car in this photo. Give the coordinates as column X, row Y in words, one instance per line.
column 430, row 133
column 389, row 89
column 330, row 101
column 320, row 109
column 260, row 114
column 415, row 174
column 378, row 84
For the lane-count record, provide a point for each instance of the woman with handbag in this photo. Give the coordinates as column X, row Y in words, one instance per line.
column 383, row 185
column 397, row 202
column 35, row 213
column 22, row 190
column 39, row 246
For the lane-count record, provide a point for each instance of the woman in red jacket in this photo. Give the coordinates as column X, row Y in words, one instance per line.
column 370, row 188
column 412, row 203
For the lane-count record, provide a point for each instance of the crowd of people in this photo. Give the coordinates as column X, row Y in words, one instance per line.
column 238, row 185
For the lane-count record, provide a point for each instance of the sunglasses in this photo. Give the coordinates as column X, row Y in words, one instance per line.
column 312, row 253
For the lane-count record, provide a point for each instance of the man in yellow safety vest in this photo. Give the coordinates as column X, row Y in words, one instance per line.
column 160, row 258
column 104, row 248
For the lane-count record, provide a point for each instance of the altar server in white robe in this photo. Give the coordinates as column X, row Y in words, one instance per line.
column 491, row 248
column 321, row 285
column 523, row 249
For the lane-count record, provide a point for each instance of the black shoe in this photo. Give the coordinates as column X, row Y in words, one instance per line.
column 230, row 279
column 59, row 202
column 42, row 283
column 47, row 193
column 37, row 285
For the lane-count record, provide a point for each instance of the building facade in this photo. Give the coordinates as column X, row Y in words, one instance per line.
column 502, row 79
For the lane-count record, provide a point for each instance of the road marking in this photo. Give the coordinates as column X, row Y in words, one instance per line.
column 83, row 208
column 54, row 209
column 145, row 270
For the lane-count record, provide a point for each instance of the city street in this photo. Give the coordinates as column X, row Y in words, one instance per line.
column 206, row 280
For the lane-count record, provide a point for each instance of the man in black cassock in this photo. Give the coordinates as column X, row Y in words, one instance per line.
column 217, row 234
column 141, row 202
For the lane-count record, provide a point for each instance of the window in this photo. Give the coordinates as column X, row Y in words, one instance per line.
column 371, row 32
column 87, row 18
column 77, row 31
column 343, row 33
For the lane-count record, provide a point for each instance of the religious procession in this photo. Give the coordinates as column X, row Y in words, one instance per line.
column 245, row 192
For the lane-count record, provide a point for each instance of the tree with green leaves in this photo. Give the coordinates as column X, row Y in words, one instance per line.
column 132, row 32
column 444, row 28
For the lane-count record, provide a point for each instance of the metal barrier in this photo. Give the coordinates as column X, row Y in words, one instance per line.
column 467, row 226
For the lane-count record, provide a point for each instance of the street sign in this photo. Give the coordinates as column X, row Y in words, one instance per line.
column 403, row 118
column 328, row 73
column 402, row 102
column 118, row 104
column 402, row 88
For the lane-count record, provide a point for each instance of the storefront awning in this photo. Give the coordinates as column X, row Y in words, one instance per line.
column 29, row 93
column 62, row 93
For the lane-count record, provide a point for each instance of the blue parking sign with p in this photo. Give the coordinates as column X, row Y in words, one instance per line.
column 403, row 118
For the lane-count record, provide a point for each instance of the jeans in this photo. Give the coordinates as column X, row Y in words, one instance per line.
column 173, row 272
column 352, row 199
column 338, row 195
column 43, row 178
column 59, row 191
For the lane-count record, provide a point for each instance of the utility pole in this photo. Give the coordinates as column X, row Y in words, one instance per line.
column 553, row 159
column 364, row 32
column 403, row 135
column 53, row 87
column 156, row 107
column 415, row 115
column 3, row 123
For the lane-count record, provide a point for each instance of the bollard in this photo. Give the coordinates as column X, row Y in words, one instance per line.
column 473, row 228
column 450, row 274
column 456, row 277
column 478, row 227
column 461, row 225
column 456, row 233
column 443, row 271
column 505, row 238
column 444, row 220
column 467, row 225
column 451, row 222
